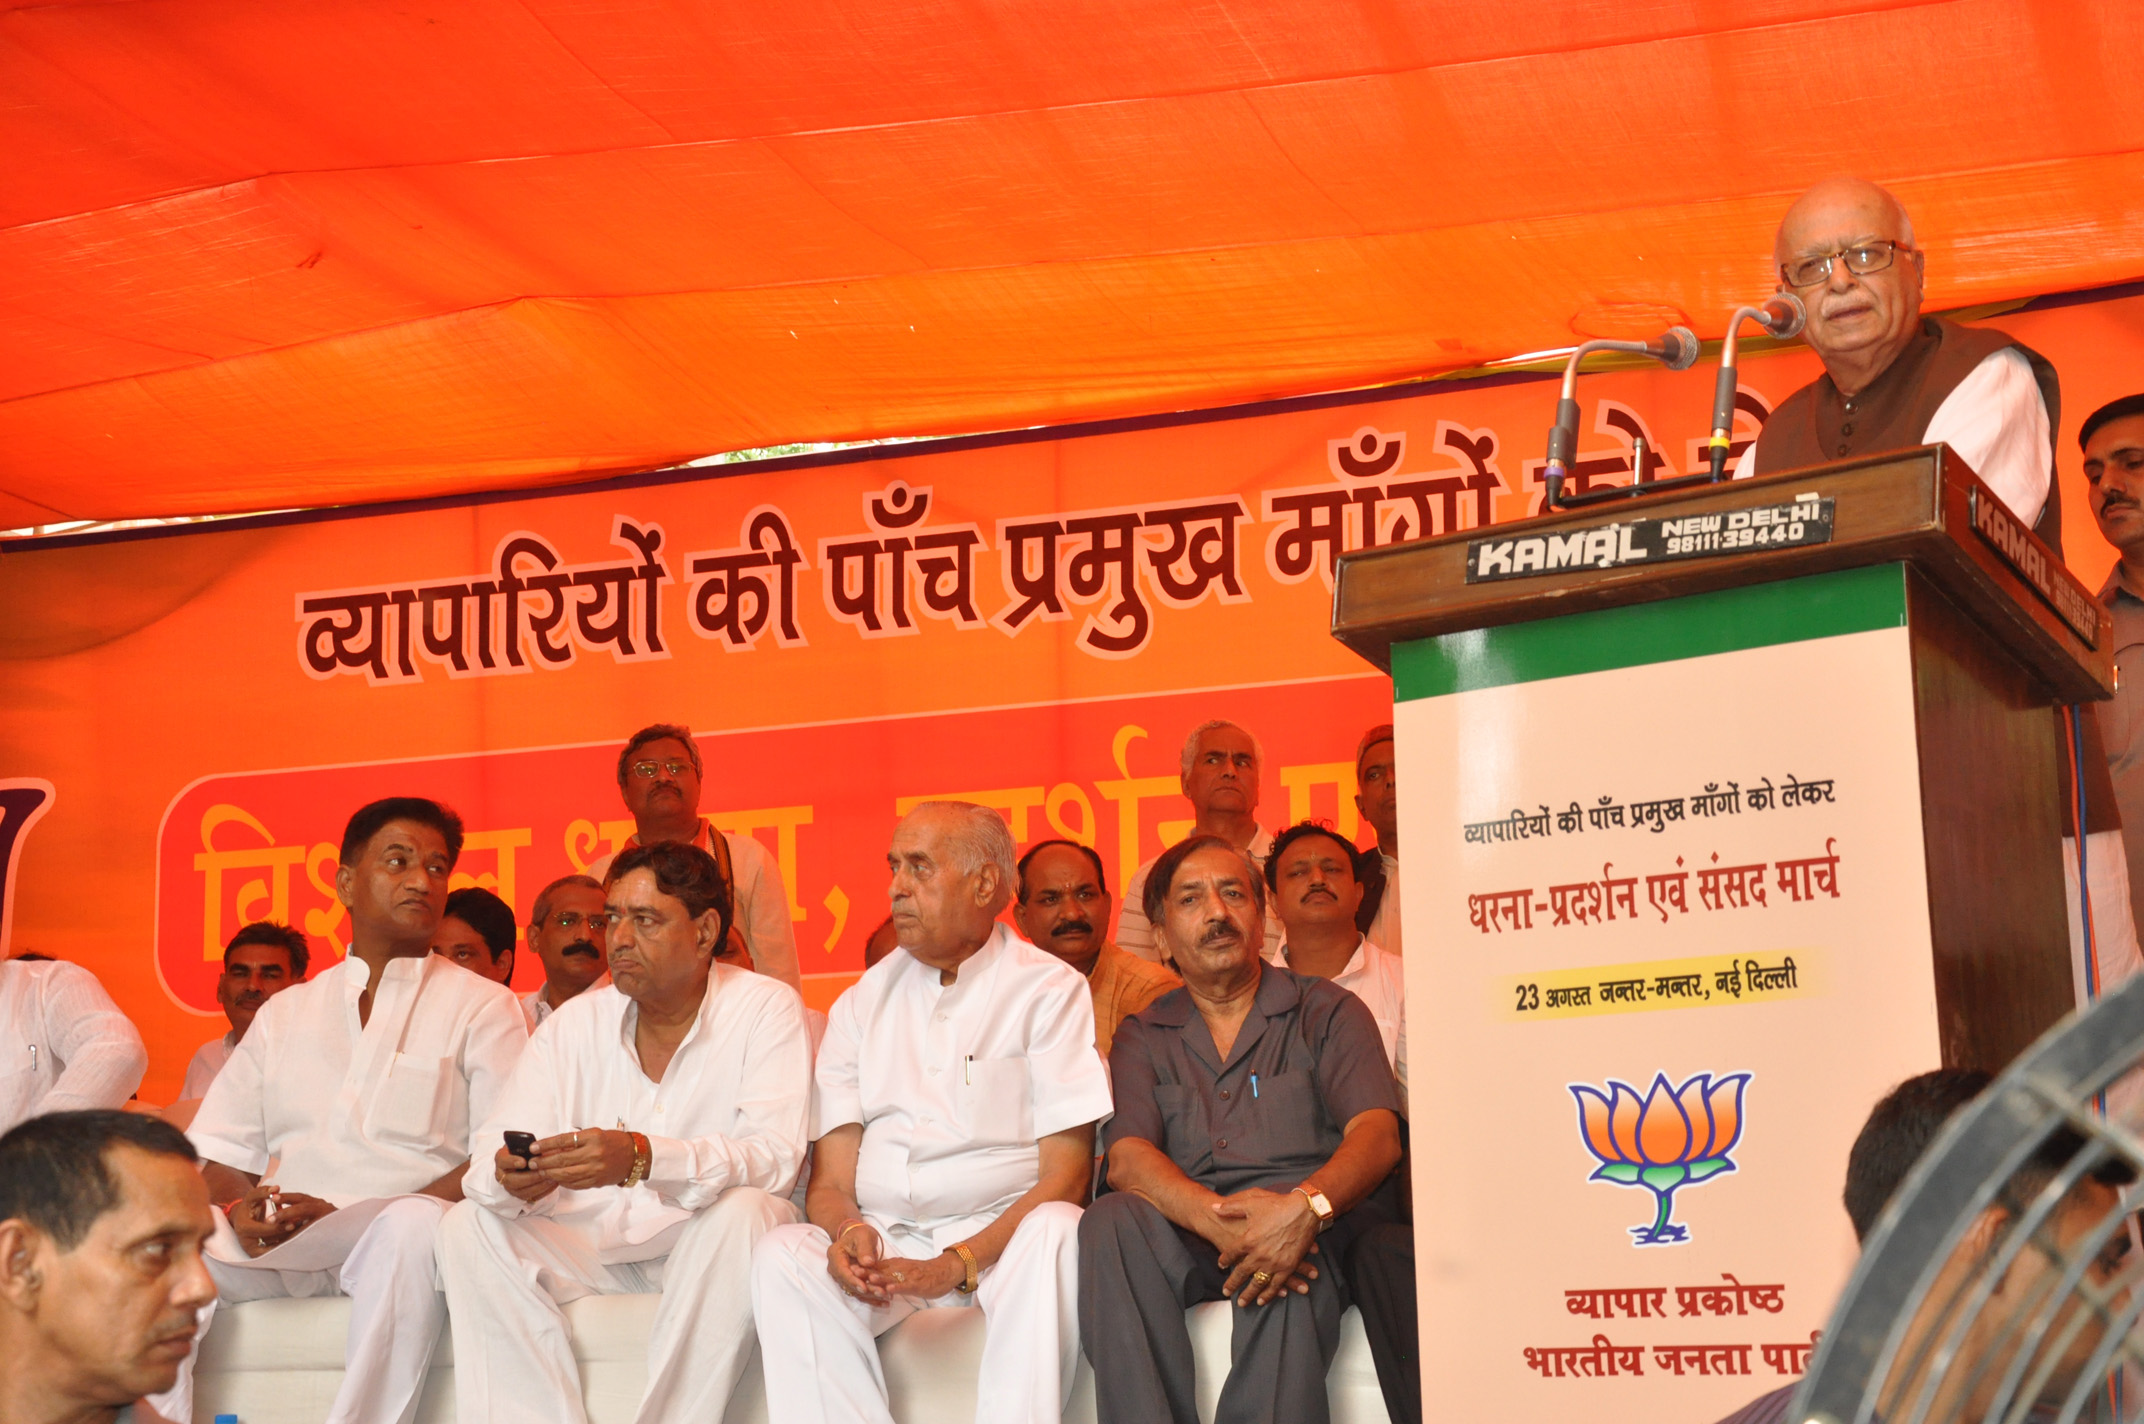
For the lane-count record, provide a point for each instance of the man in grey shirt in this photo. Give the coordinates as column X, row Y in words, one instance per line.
column 1256, row 1119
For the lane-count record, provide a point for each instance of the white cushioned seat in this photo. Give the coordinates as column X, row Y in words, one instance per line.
column 280, row 1362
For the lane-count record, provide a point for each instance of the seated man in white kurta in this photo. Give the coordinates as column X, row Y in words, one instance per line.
column 669, row 1109
column 363, row 1083
column 954, row 1109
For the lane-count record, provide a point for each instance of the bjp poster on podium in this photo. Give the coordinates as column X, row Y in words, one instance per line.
column 1034, row 621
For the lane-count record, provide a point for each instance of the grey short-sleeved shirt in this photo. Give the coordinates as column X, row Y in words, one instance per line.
column 1314, row 1051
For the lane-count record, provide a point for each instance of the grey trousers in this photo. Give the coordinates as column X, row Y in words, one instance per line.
column 1138, row 1272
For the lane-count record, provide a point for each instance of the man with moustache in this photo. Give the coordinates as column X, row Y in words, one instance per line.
column 1310, row 877
column 1256, row 1116
column 363, row 1084
column 1894, row 379
column 669, row 1110
column 659, row 779
column 1378, row 868
column 956, row 1097
column 1219, row 771
column 102, row 1219
column 567, row 926
column 262, row 960
column 1062, row 905
column 2112, row 438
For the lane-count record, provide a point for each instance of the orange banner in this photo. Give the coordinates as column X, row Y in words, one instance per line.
column 1034, row 620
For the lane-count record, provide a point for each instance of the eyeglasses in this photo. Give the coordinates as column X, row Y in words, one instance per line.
column 1861, row 260
column 646, row 770
column 573, row 919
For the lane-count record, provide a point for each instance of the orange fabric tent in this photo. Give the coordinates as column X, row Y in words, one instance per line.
column 257, row 253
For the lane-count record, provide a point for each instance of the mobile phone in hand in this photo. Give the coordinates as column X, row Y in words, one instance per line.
column 521, row 1144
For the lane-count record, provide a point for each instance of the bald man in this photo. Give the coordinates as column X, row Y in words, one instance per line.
column 1894, row 379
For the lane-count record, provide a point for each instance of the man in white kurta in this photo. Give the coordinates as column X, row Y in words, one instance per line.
column 69, row 1044
column 659, row 779
column 262, row 960
column 1220, row 769
column 363, row 1085
column 566, row 932
column 954, row 1107
column 705, row 1070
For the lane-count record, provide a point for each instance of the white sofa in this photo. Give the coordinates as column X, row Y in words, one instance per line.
column 280, row 1362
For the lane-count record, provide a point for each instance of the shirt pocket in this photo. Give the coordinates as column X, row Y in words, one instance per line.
column 997, row 1107
column 408, row 1107
column 1279, row 1123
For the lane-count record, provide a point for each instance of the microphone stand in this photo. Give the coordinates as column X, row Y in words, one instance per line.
column 1723, row 390
column 1677, row 349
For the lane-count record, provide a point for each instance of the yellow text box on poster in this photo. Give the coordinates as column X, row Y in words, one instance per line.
column 1706, row 981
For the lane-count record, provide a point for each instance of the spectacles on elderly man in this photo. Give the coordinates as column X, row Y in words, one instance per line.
column 571, row 920
column 1861, row 259
column 646, row 770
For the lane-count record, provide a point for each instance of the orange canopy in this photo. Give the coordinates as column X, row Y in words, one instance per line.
column 268, row 252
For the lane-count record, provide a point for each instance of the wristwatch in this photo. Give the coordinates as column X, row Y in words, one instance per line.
column 1320, row 1206
column 642, row 1160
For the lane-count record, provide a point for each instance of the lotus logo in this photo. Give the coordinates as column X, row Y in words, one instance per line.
column 1662, row 1140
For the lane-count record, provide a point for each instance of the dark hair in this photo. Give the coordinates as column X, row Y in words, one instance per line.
column 683, row 872
column 55, row 1170
column 274, row 935
column 1297, row 832
column 1155, row 893
column 484, row 912
column 541, row 910
column 1101, row 877
column 656, row 732
column 424, row 812
column 2113, row 410
column 1898, row 1131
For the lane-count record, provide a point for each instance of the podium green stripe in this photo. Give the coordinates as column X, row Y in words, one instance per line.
column 1755, row 616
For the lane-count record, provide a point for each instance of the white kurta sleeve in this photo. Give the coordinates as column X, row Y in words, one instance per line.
column 837, row 1097
column 532, row 1100
column 100, row 1051
column 232, row 1125
column 1064, row 1073
column 773, row 1105
column 498, row 1035
column 763, row 910
column 1997, row 422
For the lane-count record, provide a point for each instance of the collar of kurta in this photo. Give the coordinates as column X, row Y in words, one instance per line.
column 974, row 964
column 629, row 1021
column 357, row 974
column 704, row 838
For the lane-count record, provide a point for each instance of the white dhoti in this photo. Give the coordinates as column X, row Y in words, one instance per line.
column 818, row 1343
column 505, row 1281
column 396, row 1310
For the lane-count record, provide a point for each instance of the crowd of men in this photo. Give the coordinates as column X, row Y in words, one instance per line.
column 1080, row 1130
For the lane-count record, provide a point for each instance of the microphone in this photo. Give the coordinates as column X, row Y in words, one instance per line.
column 1782, row 315
column 1676, row 348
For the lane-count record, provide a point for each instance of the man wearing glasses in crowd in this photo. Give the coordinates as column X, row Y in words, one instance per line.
column 659, row 780
column 1894, row 379
column 567, row 925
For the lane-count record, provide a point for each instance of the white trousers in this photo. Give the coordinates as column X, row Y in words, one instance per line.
column 396, row 1312
column 818, row 1343
column 505, row 1282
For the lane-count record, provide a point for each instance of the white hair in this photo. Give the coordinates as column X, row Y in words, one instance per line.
column 980, row 837
column 1191, row 743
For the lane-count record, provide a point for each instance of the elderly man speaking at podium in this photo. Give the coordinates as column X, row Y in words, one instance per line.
column 1894, row 379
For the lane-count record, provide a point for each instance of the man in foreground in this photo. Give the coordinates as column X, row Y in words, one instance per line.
column 476, row 932
column 1220, row 769
column 1249, row 1182
column 363, row 1083
column 706, row 1070
column 659, row 779
column 262, row 960
column 102, row 1218
column 567, row 929
column 1063, row 907
column 957, row 1092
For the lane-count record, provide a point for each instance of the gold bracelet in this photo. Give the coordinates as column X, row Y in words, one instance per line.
column 967, row 1258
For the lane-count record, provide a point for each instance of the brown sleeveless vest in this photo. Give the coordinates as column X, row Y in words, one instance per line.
column 1816, row 424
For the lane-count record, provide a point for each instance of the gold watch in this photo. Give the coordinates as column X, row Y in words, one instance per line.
column 1320, row 1205
column 967, row 1258
column 643, row 1158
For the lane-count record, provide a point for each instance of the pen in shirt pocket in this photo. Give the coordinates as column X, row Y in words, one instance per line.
column 1254, row 1085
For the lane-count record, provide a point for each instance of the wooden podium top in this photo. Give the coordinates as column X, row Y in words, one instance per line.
column 1921, row 507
